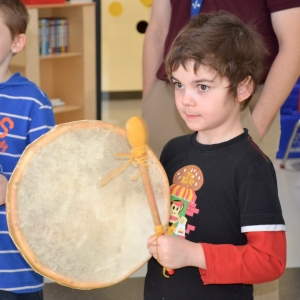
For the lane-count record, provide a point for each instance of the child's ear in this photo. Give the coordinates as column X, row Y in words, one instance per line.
column 18, row 43
column 245, row 89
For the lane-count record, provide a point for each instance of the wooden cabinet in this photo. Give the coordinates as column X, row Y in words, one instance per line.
column 69, row 76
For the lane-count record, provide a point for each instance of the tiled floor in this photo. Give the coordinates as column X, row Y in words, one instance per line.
column 132, row 289
column 118, row 112
column 129, row 289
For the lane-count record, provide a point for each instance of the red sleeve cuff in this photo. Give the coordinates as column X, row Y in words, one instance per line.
column 207, row 275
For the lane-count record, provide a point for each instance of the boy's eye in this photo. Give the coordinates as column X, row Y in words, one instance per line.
column 178, row 85
column 203, row 87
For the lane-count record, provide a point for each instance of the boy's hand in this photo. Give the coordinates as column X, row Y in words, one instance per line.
column 175, row 252
column 3, row 187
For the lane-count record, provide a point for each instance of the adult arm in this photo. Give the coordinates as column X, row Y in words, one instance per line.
column 284, row 71
column 154, row 42
column 262, row 259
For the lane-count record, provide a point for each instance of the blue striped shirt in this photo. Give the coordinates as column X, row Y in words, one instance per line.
column 25, row 114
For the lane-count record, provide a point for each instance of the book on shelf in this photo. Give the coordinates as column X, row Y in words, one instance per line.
column 53, row 35
column 57, row 102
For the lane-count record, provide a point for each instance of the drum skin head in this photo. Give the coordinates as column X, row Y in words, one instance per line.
column 67, row 226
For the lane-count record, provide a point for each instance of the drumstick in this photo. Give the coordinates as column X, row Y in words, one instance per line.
column 137, row 137
column 136, row 134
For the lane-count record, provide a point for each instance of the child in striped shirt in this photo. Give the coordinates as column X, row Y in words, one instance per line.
column 25, row 114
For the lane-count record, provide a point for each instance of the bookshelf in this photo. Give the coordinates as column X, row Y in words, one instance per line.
column 69, row 76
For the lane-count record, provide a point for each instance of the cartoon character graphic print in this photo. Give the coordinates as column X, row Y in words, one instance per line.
column 186, row 181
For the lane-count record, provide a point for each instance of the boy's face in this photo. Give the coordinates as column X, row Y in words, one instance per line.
column 202, row 100
column 5, row 43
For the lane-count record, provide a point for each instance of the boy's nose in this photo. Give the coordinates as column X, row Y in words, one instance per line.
column 188, row 99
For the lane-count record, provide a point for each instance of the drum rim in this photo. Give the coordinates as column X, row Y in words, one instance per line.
column 11, row 201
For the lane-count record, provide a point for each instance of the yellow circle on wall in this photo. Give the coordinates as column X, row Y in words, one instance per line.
column 115, row 9
column 147, row 3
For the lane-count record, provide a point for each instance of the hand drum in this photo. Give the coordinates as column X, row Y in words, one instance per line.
column 66, row 225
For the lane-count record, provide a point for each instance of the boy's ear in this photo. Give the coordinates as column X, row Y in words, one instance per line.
column 18, row 43
column 245, row 89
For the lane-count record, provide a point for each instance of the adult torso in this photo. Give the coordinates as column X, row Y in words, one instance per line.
column 256, row 12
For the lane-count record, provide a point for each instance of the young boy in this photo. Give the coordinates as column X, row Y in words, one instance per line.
column 25, row 114
column 226, row 230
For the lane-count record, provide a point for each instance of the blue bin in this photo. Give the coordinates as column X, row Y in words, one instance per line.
column 291, row 103
column 288, row 123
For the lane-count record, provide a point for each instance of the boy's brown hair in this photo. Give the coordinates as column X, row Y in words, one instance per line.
column 15, row 16
column 224, row 43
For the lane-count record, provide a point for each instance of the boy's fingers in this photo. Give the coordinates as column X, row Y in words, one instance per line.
column 152, row 240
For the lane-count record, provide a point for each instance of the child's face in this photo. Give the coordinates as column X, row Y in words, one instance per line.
column 202, row 99
column 5, row 43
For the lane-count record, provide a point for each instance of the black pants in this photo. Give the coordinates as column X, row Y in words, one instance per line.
column 4, row 295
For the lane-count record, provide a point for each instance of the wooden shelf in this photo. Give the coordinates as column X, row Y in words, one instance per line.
column 57, row 5
column 69, row 76
column 66, row 109
column 60, row 55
